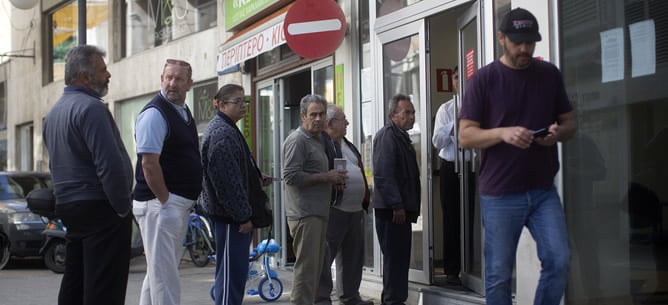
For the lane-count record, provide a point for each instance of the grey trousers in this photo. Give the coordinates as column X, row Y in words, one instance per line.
column 345, row 243
column 309, row 245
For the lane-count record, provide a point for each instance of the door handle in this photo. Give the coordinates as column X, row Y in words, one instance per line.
column 458, row 149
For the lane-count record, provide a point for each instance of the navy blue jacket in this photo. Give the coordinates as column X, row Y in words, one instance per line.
column 228, row 170
column 395, row 173
column 88, row 160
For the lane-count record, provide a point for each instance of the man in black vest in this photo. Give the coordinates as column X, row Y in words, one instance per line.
column 169, row 179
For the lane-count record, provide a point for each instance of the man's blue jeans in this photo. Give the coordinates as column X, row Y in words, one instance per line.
column 503, row 219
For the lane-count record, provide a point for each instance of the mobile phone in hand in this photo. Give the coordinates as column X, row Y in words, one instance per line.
column 541, row 133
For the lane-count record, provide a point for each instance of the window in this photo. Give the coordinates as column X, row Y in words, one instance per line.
column 323, row 83
column 384, row 7
column 203, row 110
column 151, row 23
column 3, row 155
column 126, row 112
column 367, row 121
column 24, row 148
column 3, row 106
column 616, row 167
column 63, row 32
column 271, row 59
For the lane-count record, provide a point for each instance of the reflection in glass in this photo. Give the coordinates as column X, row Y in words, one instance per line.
column 366, row 122
column 203, row 110
column 125, row 114
column 3, row 155
column 3, row 106
column 64, row 35
column 268, row 58
column 616, row 168
column 152, row 23
column 472, row 250
column 501, row 8
column 265, row 148
column 384, row 7
column 276, row 56
column 323, row 83
column 401, row 68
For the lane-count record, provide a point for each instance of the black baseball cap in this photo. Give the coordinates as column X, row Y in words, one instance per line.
column 520, row 25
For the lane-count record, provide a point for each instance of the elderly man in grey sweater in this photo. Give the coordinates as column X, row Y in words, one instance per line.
column 308, row 183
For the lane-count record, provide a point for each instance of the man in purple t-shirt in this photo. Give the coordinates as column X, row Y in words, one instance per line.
column 506, row 104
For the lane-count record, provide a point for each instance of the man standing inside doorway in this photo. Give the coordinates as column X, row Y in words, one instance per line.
column 506, row 104
column 396, row 198
column 444, row 140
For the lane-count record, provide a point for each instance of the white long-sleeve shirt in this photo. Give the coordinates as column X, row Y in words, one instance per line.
column 443, row 138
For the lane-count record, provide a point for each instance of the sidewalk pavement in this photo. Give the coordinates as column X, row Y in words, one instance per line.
column 196, row 284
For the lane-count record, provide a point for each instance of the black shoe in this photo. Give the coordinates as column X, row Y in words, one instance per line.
column 453, row 280
column 358, row 302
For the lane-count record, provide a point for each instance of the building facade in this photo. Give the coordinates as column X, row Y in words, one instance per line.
column 612, row 53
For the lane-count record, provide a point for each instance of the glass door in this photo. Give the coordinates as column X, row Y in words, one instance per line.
column 268, row 153
column 403, row 69
column 277, row 115
column 472, row 241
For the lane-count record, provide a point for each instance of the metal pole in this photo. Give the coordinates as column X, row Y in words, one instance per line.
column 82, row 22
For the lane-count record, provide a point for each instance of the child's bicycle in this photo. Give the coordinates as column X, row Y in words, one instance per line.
column 270, row 288
column 199, row 240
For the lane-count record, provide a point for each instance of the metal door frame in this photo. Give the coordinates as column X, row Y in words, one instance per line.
column 471, row 281
column 277, row 84
column 407, row 30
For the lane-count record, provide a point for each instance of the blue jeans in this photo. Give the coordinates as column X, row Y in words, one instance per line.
column 503, row 219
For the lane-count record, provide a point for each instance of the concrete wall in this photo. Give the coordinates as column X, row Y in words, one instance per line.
column 29, row 100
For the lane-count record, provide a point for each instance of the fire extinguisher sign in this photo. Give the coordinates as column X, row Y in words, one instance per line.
column 444, row 80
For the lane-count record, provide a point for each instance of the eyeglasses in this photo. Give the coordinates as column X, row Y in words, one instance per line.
column 340, row 119
column 237, row 101
column 178, row 62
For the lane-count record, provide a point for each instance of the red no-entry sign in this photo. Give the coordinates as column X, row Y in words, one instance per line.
column 314, row 28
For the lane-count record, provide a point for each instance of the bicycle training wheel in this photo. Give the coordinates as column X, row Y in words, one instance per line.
column 197, row 247
column 270, row 291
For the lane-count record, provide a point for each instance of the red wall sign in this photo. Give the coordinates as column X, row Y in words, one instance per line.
column 470, row 63
column 444, row 80
column 314, row 28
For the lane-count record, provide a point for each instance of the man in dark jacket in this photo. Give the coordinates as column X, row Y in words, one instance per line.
column 92, row 178
column 345, row 228
column 396, row 197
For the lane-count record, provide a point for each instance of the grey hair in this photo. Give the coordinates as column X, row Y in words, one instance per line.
column 394, row 102
column 311, row 98
column 80, row 59
column 331, row 111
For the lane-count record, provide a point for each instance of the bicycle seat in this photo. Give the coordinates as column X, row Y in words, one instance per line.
column 270, row 247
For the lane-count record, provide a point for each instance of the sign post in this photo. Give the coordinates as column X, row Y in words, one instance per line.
column 314, row 28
